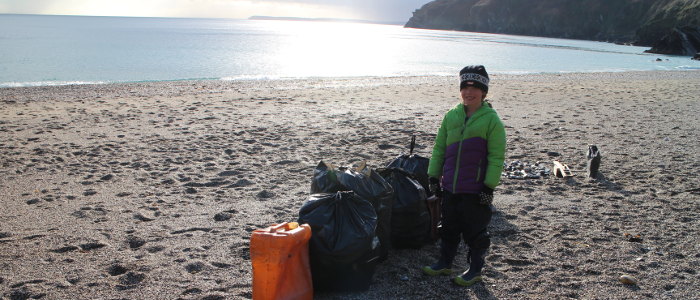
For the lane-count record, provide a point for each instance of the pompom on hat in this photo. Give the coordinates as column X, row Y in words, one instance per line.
column 474, row 76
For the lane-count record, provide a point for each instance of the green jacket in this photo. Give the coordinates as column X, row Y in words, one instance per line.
column 469, row 152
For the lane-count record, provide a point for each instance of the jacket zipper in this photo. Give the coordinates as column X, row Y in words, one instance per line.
column 478, row 170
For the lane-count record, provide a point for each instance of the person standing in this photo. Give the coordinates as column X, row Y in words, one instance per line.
column 465, row 167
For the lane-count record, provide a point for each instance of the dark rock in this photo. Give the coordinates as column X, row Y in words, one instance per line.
column 265, row 194
column 79, row 214
column 21, row 294
column 241, row 183
column 222, row 216
column 696, row 56
column 229, row 173
column 107, row 177
column 32, row 201
column 192, row 291
column 195, row 267
column 221, row 265
column 168, row 181
column 154, row 249
column 190, row 190
column 64, row 249
column 117, row 269
column 132, row 278
column 135, row 242
column 92, row 246
column 679, row 41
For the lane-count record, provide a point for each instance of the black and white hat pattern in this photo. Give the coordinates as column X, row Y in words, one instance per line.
column 474, row 76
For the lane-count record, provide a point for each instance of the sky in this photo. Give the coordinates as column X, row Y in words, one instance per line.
column 373, row 10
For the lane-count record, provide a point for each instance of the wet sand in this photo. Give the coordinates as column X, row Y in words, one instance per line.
column 151, row 190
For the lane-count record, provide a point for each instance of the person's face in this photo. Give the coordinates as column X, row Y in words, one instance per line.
column 472, row 96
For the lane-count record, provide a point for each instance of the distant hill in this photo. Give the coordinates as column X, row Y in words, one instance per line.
column 669, row 26
column 321, row 20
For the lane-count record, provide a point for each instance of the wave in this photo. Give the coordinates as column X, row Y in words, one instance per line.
column 47, row 83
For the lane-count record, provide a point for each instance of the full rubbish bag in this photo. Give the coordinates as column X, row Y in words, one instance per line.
column 417, row 166
column 414, row 164
column 410, row 218
column 280, row 259
column 365, row 183
column 343, row 249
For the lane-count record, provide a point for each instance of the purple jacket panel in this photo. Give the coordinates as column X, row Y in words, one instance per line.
column 472, row 166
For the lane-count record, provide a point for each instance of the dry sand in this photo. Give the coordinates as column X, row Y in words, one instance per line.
column 151, row 190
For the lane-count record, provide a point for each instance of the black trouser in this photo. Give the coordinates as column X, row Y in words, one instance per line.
column 463, row 216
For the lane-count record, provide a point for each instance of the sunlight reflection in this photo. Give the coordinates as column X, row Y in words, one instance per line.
column 334, row 49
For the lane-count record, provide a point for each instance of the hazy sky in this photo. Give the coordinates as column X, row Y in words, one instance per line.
column 376, row 10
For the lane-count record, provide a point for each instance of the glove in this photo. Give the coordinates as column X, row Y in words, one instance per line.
column 435, row 187
column 486, row 196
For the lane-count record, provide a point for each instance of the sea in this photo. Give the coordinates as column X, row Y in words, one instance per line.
column 45, row 50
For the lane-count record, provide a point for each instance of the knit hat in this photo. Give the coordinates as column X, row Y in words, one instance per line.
column 474, row 76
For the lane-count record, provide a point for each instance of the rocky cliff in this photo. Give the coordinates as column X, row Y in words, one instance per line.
column 671, row 26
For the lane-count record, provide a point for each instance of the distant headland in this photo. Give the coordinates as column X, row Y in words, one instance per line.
column 323, row 20
column 669, row 26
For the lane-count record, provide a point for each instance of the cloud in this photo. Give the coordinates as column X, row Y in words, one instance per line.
column 387, row 10
column 376, row 10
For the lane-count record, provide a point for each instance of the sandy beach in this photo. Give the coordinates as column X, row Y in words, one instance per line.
column 152, row 190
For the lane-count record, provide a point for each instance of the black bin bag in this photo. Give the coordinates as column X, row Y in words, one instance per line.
column 343, row 249
column 410, row 218
column 365, row 183
column 414, row 164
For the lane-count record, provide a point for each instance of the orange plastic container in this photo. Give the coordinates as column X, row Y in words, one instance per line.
column 280, row 257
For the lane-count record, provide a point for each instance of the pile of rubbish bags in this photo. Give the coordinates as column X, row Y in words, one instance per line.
column 357, row 214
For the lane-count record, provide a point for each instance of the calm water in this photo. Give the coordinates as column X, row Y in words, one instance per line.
column 51, row 50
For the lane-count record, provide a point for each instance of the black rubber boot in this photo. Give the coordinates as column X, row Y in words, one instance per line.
column 477, row 259
column 444, row 264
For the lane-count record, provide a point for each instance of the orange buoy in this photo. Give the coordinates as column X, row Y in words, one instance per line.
column 280, row 258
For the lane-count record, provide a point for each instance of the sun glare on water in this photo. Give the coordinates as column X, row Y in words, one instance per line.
column 333, row 49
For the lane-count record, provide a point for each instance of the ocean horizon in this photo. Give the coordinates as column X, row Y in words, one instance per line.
column 45, row 50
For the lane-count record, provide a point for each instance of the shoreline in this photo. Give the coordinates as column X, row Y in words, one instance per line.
column 664, row 73
column 151, row 190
